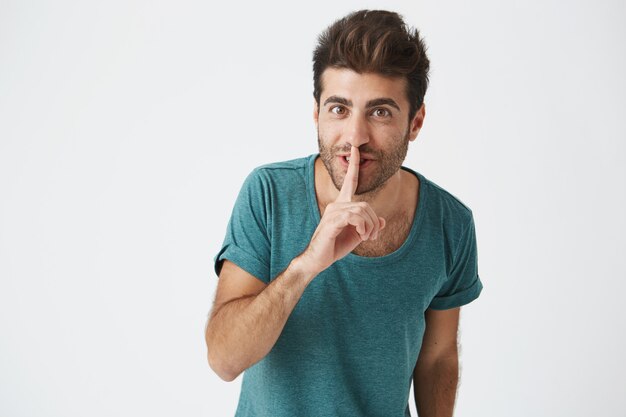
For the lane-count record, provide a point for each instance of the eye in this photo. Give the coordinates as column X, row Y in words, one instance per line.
column 382, row 112
column 338, row 110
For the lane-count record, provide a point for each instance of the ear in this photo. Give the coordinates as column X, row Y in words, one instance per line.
column 316, row 113
column 417, row 122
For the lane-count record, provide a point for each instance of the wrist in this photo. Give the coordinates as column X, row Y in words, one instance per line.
column 304, row 267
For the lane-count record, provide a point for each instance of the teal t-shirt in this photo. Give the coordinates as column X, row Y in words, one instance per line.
column 350, row 345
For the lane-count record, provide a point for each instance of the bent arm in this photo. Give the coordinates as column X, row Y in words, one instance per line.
column 435, row 387
column 241, row 332
column 436, row 373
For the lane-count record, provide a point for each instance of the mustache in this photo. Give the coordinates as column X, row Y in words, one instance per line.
column 361, row 150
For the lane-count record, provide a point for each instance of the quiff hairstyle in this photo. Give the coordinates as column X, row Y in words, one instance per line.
column 374, row 41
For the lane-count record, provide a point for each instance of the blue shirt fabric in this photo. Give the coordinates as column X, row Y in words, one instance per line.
column 350, row 345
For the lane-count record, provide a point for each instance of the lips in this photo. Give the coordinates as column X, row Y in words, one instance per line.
column 365, row 162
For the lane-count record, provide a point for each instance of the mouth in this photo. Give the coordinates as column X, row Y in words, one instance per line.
column 363, row 163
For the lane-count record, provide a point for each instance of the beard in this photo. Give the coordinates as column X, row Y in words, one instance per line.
column 386, row 163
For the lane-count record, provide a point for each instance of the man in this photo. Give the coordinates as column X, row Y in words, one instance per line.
column 342, row 274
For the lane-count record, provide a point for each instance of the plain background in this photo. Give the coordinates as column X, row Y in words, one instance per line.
column 127, row 128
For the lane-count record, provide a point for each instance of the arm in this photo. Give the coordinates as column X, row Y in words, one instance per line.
column 436, row 372
column 249, row 316
column 241, row 331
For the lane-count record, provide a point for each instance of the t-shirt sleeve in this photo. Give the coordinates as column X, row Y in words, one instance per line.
column 247, row 242
column 463, row 284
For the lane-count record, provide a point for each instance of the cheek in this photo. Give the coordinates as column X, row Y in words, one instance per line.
column 390, row 130
column 385, row 132
column 391, row 135
column 328, row 134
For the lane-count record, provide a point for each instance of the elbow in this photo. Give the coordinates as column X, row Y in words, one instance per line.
column 222, row 368
column 223, row 372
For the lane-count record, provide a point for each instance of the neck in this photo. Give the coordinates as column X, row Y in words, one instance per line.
column 385, row 201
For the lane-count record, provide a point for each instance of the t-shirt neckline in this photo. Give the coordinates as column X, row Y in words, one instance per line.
column 364, row 260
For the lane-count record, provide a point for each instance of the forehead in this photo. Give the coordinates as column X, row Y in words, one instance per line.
column 361, row 88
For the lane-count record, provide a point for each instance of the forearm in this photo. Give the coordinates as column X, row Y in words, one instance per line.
column 243, row 331
column 435, row 387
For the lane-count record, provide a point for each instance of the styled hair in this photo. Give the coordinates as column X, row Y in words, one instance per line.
column 374, row 41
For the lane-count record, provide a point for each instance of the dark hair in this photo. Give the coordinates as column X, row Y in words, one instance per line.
column 376, row 41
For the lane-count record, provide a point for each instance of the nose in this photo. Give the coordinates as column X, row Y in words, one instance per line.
column 357, row 132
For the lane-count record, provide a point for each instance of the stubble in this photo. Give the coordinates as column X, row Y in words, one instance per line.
column 387, row 163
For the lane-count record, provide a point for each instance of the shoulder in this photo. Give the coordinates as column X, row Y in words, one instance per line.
column 447, row 203
column 444, row 211
column 281, row 173
column 447, row 199
column 295, row 164
column 439, row 197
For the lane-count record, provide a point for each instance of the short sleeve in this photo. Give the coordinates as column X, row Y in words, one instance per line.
column 247, row 241
column 463, row 284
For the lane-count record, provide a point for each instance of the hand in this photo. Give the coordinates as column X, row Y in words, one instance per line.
column 344, row 225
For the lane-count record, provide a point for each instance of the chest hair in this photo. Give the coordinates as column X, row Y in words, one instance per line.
column 389, row 239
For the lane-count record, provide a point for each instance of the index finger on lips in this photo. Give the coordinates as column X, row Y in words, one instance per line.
column 351, row 179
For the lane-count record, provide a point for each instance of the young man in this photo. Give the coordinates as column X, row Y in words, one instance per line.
column 342, row 273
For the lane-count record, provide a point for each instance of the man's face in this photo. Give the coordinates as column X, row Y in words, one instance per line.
column 369, row 111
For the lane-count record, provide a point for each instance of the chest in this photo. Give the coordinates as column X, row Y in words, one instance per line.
column 389, row 239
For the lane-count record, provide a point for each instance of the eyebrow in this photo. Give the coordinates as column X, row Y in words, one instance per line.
column 372, row 103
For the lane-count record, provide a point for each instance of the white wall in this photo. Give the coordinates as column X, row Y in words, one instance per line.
column 127, row 128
